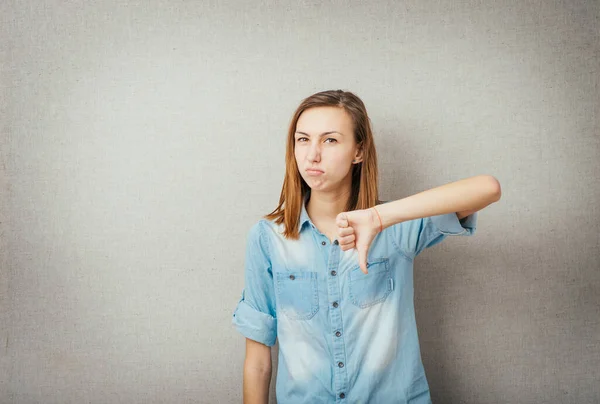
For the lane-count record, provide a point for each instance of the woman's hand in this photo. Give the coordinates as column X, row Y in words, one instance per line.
column 357, row 229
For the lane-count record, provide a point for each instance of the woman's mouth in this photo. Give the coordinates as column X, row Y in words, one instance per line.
column 314, row 172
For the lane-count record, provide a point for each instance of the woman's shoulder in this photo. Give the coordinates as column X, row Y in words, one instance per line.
column 263, row 227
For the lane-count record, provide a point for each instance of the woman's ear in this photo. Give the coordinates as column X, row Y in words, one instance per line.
column 358, row 157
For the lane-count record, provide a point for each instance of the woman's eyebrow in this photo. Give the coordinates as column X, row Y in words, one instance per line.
column 322, row 134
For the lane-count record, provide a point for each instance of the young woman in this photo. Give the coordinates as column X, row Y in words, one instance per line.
column 329, row 272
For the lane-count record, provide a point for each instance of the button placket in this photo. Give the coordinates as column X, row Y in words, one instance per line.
column 335, row 316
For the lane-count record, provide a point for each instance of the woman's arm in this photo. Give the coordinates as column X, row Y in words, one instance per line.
column 257, row 373
column 464, row 197
column 358, row 228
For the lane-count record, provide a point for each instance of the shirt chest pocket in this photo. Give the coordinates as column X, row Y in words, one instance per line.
column 297, row 294
column 372, row 288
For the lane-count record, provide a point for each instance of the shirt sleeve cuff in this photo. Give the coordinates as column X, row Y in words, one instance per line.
column 450, row 224
column 254, row 324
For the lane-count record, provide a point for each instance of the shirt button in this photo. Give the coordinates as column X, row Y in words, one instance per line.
column 342, row 395
column 333, row 273
column 323, row 243
column 335, row 304
column 338, row 334
column 292, row 277
column 341, row 364
column 335, row 242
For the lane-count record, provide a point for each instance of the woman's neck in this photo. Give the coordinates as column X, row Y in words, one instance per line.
column 324, row 207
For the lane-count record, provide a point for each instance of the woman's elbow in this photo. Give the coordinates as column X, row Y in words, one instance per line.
column 494, row 187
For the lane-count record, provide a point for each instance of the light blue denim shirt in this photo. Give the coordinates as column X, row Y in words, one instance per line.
column 344, row 337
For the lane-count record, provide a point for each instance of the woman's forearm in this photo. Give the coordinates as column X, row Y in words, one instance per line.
column 470, row 194
column 256, row 385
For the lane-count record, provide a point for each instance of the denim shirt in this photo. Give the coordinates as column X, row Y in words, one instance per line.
column 344, row 337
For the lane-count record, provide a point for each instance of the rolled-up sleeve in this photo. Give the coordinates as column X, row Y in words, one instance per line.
column 255, row 317
column 413, row 236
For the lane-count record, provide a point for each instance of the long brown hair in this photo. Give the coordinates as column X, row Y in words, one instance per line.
column 364, row 192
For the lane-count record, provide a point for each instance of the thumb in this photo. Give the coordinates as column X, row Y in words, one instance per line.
column 362, row 258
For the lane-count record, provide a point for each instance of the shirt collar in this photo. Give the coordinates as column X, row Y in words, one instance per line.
column 304, row 214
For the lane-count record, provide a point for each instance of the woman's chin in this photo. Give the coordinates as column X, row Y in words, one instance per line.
column 317, row 185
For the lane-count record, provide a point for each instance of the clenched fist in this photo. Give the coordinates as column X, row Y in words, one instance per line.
column 357, row 229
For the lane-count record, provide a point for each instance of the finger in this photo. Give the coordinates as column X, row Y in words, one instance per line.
column 348, row 247
column 347, row 239
column 345, row 231
column 362, row 259
column 341, row 220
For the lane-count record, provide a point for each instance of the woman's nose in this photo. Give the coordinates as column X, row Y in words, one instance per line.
column 314, row 153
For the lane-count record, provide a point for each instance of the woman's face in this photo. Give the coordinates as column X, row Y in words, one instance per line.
column 325, row 147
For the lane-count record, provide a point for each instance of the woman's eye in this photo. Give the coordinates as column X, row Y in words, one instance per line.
column 300, row 139
column 330, row 138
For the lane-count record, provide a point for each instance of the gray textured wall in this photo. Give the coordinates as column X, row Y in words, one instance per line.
column 141, row 140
